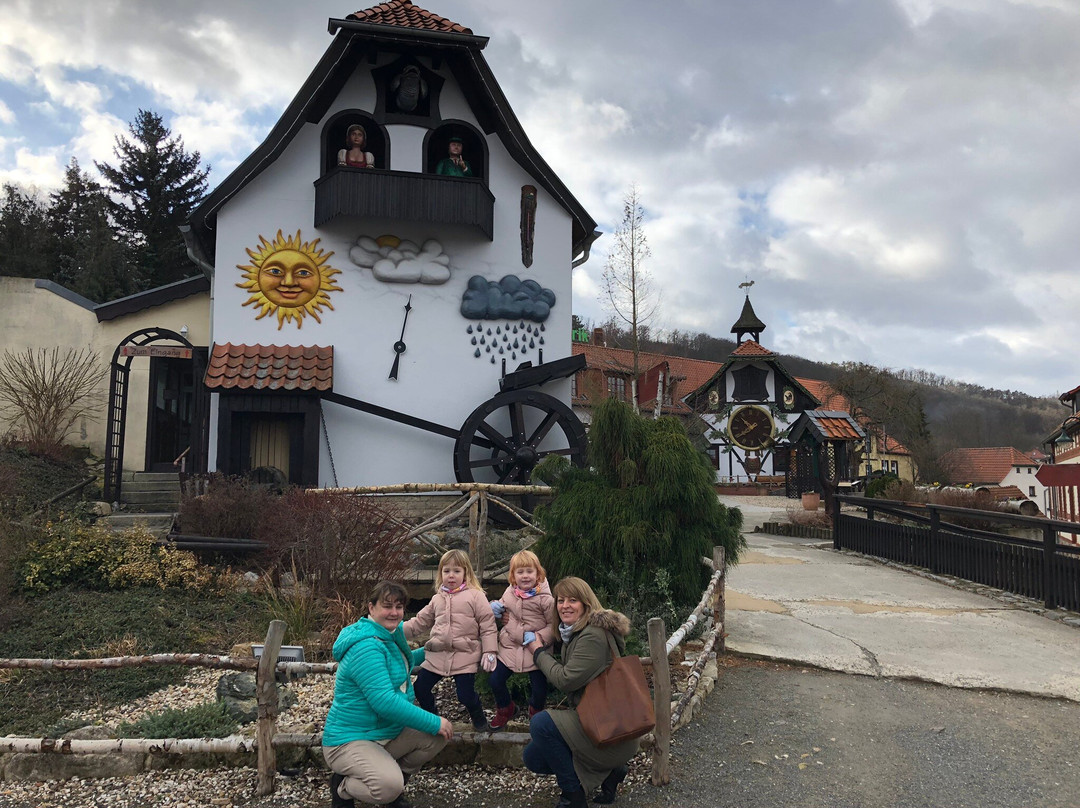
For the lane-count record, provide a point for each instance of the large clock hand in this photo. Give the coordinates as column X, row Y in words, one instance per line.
column 399, row 346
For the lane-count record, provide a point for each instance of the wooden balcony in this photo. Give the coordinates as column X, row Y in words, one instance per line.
column 431, row 198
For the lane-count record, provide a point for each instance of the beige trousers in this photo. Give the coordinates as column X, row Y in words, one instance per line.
column 375, row 773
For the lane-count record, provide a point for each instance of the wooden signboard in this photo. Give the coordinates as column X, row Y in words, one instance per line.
column 171, row 351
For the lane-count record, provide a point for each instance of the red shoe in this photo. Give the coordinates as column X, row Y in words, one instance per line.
column 503, row 716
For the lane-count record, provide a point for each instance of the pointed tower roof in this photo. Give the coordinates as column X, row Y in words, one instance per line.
column 748, row 323
column 403, row 13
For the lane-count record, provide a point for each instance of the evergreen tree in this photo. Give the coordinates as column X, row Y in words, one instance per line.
column 87, row 256
column 22, row 234
column 155, row 186
column 638, row 521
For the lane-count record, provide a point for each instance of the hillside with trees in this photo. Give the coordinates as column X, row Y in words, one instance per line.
column 928, row 412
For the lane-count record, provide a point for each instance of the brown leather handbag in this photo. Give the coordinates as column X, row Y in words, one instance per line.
column 616, row 706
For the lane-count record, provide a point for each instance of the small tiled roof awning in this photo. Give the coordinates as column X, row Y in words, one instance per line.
column 270, row 367
column 827, row 425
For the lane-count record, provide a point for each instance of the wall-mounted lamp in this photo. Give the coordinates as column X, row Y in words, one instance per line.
column 183, row 330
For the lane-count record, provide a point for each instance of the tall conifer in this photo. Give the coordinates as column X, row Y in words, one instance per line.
column 155, row 186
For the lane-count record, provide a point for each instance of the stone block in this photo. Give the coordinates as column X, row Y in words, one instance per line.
column 499, row 755
column 41, row 767
column 456, row 753
column 91, row 732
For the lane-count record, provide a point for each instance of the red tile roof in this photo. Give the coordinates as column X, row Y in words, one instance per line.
column 835, row 425
column 689, row 374
column 404, row 14
column 270, row 367
column 1069, row 396
column 983, row 465
column 751, row 348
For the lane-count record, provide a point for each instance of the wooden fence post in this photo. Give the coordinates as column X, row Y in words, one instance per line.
column 661, row 764
column 481, row 536
column 267, row 701
column 719, row 560
column 474, row 536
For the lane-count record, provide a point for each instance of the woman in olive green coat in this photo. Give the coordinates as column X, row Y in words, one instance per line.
column 579, row 654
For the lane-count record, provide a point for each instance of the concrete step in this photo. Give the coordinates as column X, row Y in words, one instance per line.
column 158, row 522
column 171, row 499
column 141, row 487
column 151, row 476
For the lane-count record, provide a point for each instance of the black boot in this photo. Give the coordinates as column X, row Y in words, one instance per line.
column 573, row 799
column 479, row 719
column 336, row 800
column 608, row 788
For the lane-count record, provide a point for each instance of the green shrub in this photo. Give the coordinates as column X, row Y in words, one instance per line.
column 207, row 720
column 876, row 487
column 70, row 553
column 638, row 522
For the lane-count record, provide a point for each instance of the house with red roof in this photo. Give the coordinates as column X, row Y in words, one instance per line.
column 997, row 466
column 609, row 373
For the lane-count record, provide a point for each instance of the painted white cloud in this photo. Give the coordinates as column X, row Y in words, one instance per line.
column 402, row 261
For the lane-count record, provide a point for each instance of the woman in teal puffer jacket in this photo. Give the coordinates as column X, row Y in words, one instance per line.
column 375, row 736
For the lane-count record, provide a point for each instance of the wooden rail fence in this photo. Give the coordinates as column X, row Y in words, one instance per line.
column 929, row 536
column 267, row 739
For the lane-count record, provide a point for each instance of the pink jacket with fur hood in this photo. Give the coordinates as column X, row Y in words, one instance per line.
column 521, row 615
column 462, row 628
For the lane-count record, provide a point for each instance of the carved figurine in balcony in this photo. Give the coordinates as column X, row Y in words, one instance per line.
column 455, row 165
column 353, row 154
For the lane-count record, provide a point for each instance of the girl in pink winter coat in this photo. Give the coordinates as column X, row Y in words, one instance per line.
column 526, row 609
column 463, row 636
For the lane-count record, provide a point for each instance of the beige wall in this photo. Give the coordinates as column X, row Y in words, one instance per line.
column 38, row 317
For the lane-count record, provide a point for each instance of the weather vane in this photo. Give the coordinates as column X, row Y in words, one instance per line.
column 746, row 284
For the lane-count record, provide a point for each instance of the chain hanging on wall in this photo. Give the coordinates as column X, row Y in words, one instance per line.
column 329, row 451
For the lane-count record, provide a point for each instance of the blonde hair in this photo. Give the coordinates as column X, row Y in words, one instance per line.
column 527, row 558
column 458, row 558
column 579, row 590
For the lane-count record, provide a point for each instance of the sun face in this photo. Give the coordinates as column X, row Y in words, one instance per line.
column 290, row 278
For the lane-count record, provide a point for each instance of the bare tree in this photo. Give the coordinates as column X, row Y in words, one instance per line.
column 628, row 287
column 44, row 392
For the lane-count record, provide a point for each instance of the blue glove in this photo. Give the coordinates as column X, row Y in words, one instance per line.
column 529, row 637
column 497, row 609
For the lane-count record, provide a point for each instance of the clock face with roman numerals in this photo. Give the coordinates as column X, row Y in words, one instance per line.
column 750, row 428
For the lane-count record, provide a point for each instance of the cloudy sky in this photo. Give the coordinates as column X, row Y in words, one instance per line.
column 900, row 178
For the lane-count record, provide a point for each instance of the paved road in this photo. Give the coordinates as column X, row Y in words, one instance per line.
column 800, row 601
column 779, row 735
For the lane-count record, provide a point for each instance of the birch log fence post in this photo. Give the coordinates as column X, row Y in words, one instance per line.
column 720, row 607
column 267, row 701
column 661, row 763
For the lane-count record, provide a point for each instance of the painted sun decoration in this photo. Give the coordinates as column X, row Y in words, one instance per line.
column 289, row 277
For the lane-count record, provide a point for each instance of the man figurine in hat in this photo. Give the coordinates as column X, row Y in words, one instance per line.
column 455, row 165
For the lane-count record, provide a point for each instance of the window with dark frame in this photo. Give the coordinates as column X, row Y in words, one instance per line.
column 616, row 387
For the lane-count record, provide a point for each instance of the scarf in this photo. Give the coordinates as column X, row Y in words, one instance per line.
column 525, row 595
column 566, row 632
column 454, row 591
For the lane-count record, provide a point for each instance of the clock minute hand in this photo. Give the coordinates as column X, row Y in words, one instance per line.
column 399, row 346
